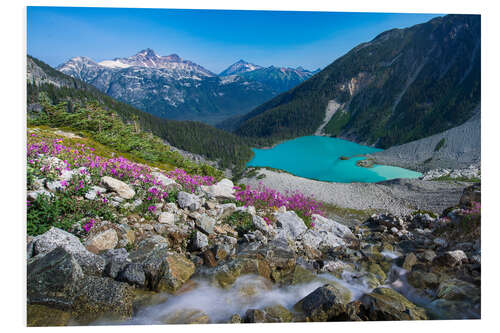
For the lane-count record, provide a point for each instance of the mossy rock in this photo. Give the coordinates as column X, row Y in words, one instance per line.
column 388, row 304
column 279, row 313
column 186, row 316
column 41, row 316
column 379, row 273
column 144, row 298
column 179, row 270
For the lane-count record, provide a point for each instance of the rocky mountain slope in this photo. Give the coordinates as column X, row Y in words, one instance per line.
column 174, row 88
column 403, row 85
column 455, row 148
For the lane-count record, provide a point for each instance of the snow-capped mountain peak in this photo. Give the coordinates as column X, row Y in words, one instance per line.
column 241, row 66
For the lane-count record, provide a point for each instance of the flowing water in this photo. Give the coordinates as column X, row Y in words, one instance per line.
column 318, row 157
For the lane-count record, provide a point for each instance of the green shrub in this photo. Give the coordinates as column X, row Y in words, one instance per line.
column 439, row 145
column 241, row 222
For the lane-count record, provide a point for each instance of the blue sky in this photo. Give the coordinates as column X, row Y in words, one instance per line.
column 212, row 38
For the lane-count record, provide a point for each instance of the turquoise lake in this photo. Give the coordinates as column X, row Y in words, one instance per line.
column 317, row 157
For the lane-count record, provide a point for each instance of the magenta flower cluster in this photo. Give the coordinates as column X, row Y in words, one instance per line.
column 190, row 182
column 89, row 225
column 120, row 167
column 263, row 197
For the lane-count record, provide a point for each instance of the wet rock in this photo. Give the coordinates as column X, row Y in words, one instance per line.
column 206, row 224
column 440, row 242
column 410, row 260
column 325, row 303
column 451, row 258
column 222, row 190
column 254, row 316
column 388, row 304
column 122, row 189
column 41, row 316
column 178, row 270
column 209, row 258
column 102, row 298
column 422, row 279
column 235, row 319
column 189, row 201
column 90, row 263
column 145, row 298
column 278, row 314
column 104, row 240
column 457, row 290
column 186, row 316
column 291, row 224
column 446, row 309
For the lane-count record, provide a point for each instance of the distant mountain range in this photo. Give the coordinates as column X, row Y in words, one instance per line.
column 404, row 85
column 174, row 88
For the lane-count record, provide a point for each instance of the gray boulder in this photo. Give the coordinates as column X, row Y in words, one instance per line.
column 53, row 278
column 189, row 201
column 323, row 224
column 122, row 189
column 206, row 224
column 200, row 241
column 42, row 244
column 290, row 224
column 133, row 274
column 221, row 190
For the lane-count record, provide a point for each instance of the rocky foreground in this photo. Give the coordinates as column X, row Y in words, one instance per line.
column 415, row 267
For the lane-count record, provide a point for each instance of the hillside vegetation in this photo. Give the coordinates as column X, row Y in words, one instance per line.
column 49, row 88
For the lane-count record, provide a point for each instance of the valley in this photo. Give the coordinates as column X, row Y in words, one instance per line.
column 351, row 193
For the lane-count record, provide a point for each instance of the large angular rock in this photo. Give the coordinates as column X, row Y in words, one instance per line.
column 178, row 270
column 321, row 223
column 387, row 304
column 189, row 201
column 206, row 224
column 325, row 303
column 458, row 290
column 291, row 224
column 186, row 316
column 116, row 261
column 53, row 278
column 260, row 224
column 133, row 274
column 451, row 258
column 105, row 240
column 200, row 241
column 221, row 190
column 102, row 298
column 122, row 189
column 151, row 254
column 90, row 263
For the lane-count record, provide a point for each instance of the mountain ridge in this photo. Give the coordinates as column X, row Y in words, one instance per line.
column 403, row 85
column 171, row 87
